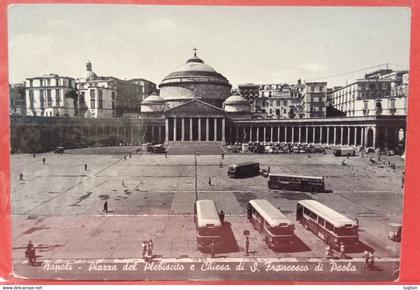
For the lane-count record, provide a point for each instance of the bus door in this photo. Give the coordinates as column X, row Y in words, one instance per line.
column 249, row 211
column 299, row 212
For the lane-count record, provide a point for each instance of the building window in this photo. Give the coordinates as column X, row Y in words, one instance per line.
column 316, row 99
column 31, row 83
column 278, row 102
column 100, row 99
column 49, row 99
column 57, row 82
column 92, row 99
column 41, row 99
column 113, row 100
column 285, row 103
column 48, row 82
column 31, row 99
column 40, row 83
column 57, row 97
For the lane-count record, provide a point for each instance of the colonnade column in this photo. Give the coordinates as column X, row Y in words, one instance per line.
column 215, row 129
column 285, row 134
column 306, row 134
column 374, row 137
column 361, row 137
column 313, row 135
column 278, row 134
column 272, row 131
column 265, row 136
column 207, row 129
column 199, row 129
column 300, row 134
column 159, row 132
column 328, row 135
column 342, row 139
column 250, row 133
column 182, row 129
column 166, row 130
column 237, row 134
column 223, row 130
column 191, row 129
column 258, row 134
column 174, row 128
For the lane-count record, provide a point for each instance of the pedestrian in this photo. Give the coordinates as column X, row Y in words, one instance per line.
column 150, row 249
column 209, row 181
column 366, row 258
column 371, row 260
column 43, row 160
column 402, row 181
column 222, row 216
column 166, row 154
column 348, row 155
column 309, row 156
column 357, row 223
column 144, row 248
column 85, row 167
column 212, row 249
column 122, row 183
column 130, row 155
column 33, row 155
column 268, row 169
column 328, row 252
column 342, row 251
column 220, row 165
column 343, row 163
column 125, row 157
column 223, row 155
column 20, row 176
column 105, row 207
column 246, row 246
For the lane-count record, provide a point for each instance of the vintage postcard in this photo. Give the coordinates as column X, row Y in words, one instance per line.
column 207, row 143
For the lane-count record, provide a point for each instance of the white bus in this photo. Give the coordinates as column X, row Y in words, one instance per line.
column 329, row 225
column 208, row 224
column 296, row 182
column 273, row 225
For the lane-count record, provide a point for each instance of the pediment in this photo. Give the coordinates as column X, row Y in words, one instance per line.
column 195, row 108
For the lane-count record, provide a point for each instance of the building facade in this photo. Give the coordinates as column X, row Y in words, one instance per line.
column 17, row 99
column 314, row 100
column 50, row 95
column 377, row 94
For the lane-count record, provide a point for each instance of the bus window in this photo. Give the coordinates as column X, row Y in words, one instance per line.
column 329, row 226
column 346, row 231
column 321, row 221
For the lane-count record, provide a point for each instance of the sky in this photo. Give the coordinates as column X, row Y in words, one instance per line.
column 245, row 44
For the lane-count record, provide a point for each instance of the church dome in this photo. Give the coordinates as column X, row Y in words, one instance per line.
column 89, row 74
column 195, row 80
column 153, row 99
column 236, row 104
column 153, row 103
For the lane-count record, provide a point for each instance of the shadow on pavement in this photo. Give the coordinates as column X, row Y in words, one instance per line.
column 229, row 244
column 298, row 246
column 360, row 248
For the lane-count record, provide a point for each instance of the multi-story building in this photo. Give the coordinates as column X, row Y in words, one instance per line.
column 147, row 87
column 107, row 97
column 380, row 93
column 17, row 97
column 50, row 95
column 274, row 100
column 314, row 100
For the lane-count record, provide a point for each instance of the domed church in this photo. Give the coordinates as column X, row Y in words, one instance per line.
column 195, row 102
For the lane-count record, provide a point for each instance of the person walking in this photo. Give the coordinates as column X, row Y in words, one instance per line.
column 342, row 251
column 366, row 258
column 150, row 249
column 209, row 181
column 268, row 169
column 43, row 160
column 144, row 249
column 371, row 260
column 34, row 155
column 222, row 216
column 246, row 246
column 328, row 252
column 20, row 176
column 220, row 165
column 105, row 207
column 357, row 223
column 223, row 155
column 85, row 167
column 122, row 183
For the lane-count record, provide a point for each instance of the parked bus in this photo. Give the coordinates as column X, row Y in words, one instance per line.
column 296, row 182
column 345, row 152
column 274, row 226
column 329, row 225
column 248, row 169
column 208, row 224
